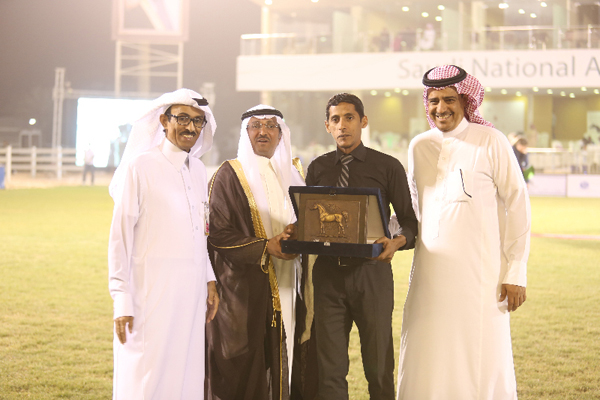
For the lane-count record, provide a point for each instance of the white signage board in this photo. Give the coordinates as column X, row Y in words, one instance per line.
column 583, row 186
column 365, row 71
column 548, row 185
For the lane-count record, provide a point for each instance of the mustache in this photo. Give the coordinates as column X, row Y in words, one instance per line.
column 187, row 132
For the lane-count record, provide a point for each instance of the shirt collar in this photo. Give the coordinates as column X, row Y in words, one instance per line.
column 264, row 162
column 174, row 154
column 459, row 128
column 358, row 153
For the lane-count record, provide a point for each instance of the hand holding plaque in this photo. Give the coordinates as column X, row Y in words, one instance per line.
column 390, row 246
column 274, row 244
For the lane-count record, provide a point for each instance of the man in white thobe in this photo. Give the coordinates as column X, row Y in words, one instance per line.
column 88, row 164
column 469, row 267
column 160, row 277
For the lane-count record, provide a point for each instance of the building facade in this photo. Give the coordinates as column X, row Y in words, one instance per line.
column 538, row 60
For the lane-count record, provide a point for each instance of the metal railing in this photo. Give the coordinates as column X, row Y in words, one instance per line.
column 34, row 160
column 536, row 37
column 58, row 161
column 489, row 38
column 558, row 161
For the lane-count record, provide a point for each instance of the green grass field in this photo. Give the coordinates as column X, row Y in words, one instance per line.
column 56, row 313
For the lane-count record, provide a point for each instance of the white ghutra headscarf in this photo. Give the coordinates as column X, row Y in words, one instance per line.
column 147, row 132
column 282, row 163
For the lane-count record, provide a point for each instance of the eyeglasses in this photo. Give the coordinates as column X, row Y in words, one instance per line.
column 270, row 126
column 184, row 120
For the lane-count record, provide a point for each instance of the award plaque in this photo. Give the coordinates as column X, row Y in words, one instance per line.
column 341, row 219
column 337, row 221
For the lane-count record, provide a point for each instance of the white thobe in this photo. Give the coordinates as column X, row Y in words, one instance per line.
column 281, row 212
column 474, row 226
column 88, row 157
column 158, row 273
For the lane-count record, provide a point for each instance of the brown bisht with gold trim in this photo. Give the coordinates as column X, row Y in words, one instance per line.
column 246, row 352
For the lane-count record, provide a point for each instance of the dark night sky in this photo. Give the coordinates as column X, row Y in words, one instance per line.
column 38, row 36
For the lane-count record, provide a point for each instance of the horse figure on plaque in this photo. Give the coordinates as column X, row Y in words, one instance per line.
column 324, row 216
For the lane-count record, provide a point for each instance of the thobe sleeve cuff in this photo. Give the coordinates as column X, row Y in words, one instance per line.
column 123, row 305
column 516, row 274
column 210, row 273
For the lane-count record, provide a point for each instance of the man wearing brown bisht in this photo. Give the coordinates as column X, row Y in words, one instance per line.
column 250, row 345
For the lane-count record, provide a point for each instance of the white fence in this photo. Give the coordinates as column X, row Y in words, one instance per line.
column 34, row 160
column 60, row 160
column 557, row 161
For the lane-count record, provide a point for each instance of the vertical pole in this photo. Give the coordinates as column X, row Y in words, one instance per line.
column 559, row 38
column 118, row 61
column 33, row 161
column 180, row 65
column 461, row 25
column 144, row 74
column 59, row 162
column 58, row 96
column 265, row 29
column 265, row 46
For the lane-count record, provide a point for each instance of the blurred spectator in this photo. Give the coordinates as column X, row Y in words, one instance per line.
column 520, row 148
column 427, row 40
column 88, row 164
column 592, row 136
column 397, row 45
column 384, row 40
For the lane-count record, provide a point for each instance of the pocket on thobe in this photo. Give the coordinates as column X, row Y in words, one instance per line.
column 459, row 186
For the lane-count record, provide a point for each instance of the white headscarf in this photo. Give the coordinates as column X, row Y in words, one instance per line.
column 147, row 133
column 282, row 163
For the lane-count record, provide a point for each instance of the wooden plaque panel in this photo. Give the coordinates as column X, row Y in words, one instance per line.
column 334, row 219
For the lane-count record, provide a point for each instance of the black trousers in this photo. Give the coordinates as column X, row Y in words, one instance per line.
column 364, row 294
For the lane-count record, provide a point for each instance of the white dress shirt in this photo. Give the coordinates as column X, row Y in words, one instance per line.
column 285, row 270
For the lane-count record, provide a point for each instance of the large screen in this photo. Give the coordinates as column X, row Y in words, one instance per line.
column 103, row 125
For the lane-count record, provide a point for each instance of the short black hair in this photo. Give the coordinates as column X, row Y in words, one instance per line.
column 345, row 98
column 522, row 141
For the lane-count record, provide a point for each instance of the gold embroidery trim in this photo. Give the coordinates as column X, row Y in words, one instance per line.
column 233, row 247
column 263, row 258
column 296, row 162
column 212, row 180
column 259, row 229
column 281, row 359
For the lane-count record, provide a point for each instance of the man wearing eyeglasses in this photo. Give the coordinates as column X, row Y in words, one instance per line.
column 160, row 277
column 250, row 342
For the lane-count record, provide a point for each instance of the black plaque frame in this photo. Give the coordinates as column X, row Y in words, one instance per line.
column 377, row 226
